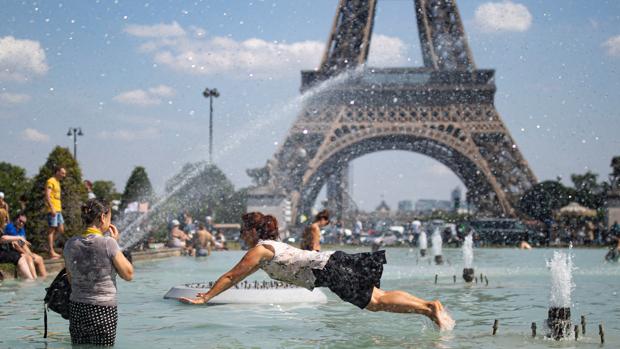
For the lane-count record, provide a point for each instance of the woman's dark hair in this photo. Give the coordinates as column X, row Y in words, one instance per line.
column 252, row 220
column 93, row 209
column 268, row 228
column 201, row 226
column 322, row 215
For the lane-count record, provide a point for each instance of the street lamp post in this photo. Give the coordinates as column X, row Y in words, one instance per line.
column 75, row 132
column 210, row 93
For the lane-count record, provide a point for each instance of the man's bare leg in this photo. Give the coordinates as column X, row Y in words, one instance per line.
column 51, row 238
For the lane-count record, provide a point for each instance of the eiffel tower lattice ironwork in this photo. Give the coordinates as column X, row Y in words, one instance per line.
column 444, row 110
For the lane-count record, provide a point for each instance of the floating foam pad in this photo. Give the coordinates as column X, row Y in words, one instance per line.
column 266, row 292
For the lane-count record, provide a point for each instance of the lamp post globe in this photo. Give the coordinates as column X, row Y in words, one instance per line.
column 75, row 132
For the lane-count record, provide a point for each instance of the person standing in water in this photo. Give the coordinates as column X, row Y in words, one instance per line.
column 311, row 237
column 355, row 278
column 92, row 261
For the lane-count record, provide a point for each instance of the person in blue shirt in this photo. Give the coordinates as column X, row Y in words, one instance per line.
column 18, row 228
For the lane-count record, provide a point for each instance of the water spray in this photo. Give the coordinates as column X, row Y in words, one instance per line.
column 422, row 243
column 558, row 316
column 468, row 259
column 437, row 242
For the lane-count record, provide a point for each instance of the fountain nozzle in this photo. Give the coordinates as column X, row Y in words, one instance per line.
column 438, row 259
column 468, row 274
column 558, row 321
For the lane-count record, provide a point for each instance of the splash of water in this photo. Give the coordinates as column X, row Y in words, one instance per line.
column 437, row 242
column 468, row 251
column 130, row 226
column 561, row 268
column 423, row 241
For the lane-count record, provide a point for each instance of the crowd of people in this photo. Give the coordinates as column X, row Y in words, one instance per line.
column 196, row 238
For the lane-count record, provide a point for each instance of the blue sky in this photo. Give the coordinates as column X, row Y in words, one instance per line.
column 131, row 74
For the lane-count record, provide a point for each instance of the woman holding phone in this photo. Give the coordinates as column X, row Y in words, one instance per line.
column 92, row 261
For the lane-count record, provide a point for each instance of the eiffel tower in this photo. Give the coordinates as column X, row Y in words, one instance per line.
column 444, row 110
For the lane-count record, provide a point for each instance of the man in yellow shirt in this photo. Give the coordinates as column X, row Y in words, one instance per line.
column 54, row 208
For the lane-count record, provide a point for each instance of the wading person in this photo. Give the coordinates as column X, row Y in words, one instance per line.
column 311, row 238
column 354, row 278
column 92, row 262
column 203, row 240
column 55, row 220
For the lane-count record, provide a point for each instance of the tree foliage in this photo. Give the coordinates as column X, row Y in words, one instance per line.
column 13, row 183
column 588, row 191
column 106, row 190
column 542, row 199
column 202, row 190
column 73, row 194
column 138, row 188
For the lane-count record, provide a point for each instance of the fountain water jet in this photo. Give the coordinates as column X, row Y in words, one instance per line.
column 130, row 225
column 437, row 242
column 468, row 258
column 558, row 320
column 422, row 243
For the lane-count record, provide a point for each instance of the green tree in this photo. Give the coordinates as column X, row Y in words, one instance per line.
column 106, row 190
column 542, row 199
column 588, row 191
column 13, row 183
column 138, row 188
column 202, row 190
column 73, row 194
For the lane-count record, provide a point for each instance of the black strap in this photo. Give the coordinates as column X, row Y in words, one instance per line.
column 45, row 319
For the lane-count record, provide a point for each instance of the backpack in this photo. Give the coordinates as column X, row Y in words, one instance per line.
column 57, row 297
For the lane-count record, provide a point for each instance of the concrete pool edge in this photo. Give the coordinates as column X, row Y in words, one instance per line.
column 55, row 265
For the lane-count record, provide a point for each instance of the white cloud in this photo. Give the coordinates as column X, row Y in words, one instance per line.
column 7, row 98
column 30, row 134
column 20, row 60
column 200, row 54
column 155, row 31
column 387, row 50
column 613, row 46
column 439, row 170
column 504, row 16
column 129, row 135
column 152, row 96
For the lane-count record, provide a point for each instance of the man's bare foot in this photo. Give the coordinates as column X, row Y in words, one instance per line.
column 440, row 317
column 55, row 256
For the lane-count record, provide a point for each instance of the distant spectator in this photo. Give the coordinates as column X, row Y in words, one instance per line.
column 4, row 219
column 311, row 237
column 177, row 237
column 89, row 187
column 8, row 254
column 18, row 228
column 3, row 204
column 203, row 241
column 54, row 208
column 209, row 224
column 188, row 224
column 220, row 241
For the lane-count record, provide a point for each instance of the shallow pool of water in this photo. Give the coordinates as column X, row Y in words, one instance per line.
column 517, row 295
